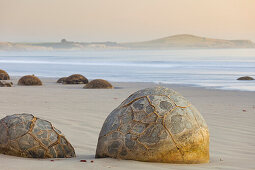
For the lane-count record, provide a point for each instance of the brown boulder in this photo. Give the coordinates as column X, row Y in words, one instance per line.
column 4, row 75
column 76, row 79
column 98, row 84
column 245, row 78
column 29, row 80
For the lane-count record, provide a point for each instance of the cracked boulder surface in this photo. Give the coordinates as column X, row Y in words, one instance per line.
column 155, row 125
column 27, row 136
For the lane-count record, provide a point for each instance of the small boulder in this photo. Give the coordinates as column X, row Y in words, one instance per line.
column 61, row 80
column 4, row 75
column 245, row 78
column 29, row 80
column 76, row 79
column 6, row 84
column 27, row 136
column 98, row 84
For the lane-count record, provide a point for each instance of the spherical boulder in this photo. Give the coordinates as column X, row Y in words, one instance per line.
column 155, row 125
column 61, row 80
column 4, row 75
column 29, row 80
column 76, row 79
column 98, row 84
column 27, row 136
column 245, row 78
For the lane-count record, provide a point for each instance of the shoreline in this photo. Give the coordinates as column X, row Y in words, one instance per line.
column 52, row 79
column 79, row 113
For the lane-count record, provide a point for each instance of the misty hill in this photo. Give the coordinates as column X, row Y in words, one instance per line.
column 191, row 41
column 182, row 41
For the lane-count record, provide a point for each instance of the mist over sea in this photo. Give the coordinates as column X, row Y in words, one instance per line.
column 211, row 68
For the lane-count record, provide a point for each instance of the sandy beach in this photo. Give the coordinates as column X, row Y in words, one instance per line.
column 79, row 113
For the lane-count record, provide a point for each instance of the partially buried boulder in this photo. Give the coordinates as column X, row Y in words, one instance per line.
column 29, row 80
column 4, row 75
column 27, row 136
column 61, row 80
column 76, row 79
column 245, row 78
column 98, row 84
column 5, row 84
column 155, row 125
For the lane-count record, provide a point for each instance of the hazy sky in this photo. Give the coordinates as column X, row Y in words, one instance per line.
column 124, row 20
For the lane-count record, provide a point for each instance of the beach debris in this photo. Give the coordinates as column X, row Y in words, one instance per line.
column 92, row 161
column 6, row 84
column 61, row 80
column 4, row 75
column 29, row 80
column 98, row 84
column 155, row 125
column 27, row 136
column 52, row 160
column 76, row 79
column 83, row 160
column 244, row 110
column 245, row 78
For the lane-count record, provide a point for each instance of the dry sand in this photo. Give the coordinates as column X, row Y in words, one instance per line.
column 79, row 114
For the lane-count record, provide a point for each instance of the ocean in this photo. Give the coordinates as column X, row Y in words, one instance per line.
column 210, row 68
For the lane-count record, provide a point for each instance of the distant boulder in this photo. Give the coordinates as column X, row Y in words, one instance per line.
column 29, row 80
column 98, row 84
column 5, row 84
column 61, row 80
column 63, row 41
column 76, row 79
column 4, row 75
column 245, row 78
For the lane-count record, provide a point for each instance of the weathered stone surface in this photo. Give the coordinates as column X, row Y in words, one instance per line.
column 4, row 75
column 29, row 80
column 156, row 125
column 27, row 136
column 98, row 84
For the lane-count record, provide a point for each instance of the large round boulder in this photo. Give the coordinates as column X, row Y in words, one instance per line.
column 98, row 84
column 29, row 80
column 245, row 78
column 76, row 79
column 4, row 75
column 155, row 125
column 27, row 136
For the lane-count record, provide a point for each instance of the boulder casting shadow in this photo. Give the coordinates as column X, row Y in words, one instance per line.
column 155, row 125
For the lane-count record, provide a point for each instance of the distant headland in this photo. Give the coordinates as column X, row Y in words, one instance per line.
column 180, row 41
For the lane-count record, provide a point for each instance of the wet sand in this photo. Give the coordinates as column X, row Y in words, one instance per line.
column 80, row 113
